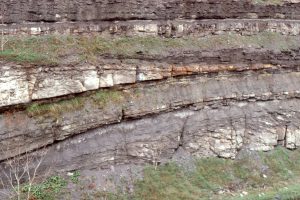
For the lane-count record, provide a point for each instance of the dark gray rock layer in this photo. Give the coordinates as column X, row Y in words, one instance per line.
column 213, row 130
column 18, row 11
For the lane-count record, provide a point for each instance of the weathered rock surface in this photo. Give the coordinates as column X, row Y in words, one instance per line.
column 170, row 28
column 23, row 84
column 143, row 107
column 214, row 130
column 151, row 98
column 18, row 11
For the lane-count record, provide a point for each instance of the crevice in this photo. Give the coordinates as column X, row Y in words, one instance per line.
column 285, row 136
column 122, row 117
column 181, row 135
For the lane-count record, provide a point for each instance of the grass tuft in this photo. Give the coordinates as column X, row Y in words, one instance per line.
column 100, row 99
column 55, row 109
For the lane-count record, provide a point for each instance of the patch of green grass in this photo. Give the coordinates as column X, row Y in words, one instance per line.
column 47, row 190
column 55, row 109
column 23, row 56
column 167, row 182
column 215, row 174
column 75, row 177
column 282, row 162
column 100, row 99
column 103, row 97
column 291, row 192
column 211, row 175
column 33, row 50
column 53, row 49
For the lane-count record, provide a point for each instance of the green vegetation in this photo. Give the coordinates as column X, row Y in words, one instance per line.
column 36, row 50
column 100, row 99
column 262, row 177
column 47, row 190
column 52, row 49
column 291, row 192
column 52, row 188
column 22, row 56
column 55, row 109
column 75, row 177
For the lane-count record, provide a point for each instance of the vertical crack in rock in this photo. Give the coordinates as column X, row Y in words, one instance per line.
column 285, row 136
column 181, row 135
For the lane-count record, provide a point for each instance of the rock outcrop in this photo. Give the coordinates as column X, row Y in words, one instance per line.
column 79, row 10
column 208, row 77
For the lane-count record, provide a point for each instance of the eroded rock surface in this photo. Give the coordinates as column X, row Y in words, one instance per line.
column 148, row 98
column 169, row 28
column 215, row 130
column 25, row 84
column 78, row 10
column 144, row 105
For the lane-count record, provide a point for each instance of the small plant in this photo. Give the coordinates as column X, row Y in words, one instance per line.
column 75, row 177
column 47, row 190
column 15, row 173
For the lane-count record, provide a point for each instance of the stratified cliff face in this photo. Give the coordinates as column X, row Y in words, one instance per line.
column 208, row 77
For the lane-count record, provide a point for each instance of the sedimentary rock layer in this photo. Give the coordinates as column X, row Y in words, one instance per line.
column 18, row 11
column 169, row 28
column 22, row 84
column 151, row 98
column 215, row 129
column 211, row 77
